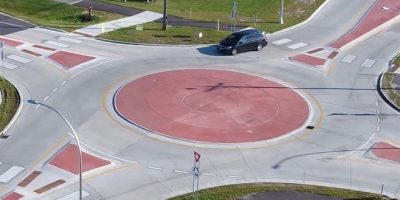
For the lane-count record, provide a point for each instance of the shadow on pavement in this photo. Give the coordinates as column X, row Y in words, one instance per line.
column 210, row 50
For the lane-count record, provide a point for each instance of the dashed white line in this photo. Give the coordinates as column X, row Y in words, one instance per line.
column 378, row 120
column 233, row 176
column 155, row 168
column 378, row 128
column 19, row 59
column 368, row 63
column 62, row 83
column 58, row 44
column 55, row 90
column 45, row 99
column 37, row 107
column 297, row 46
column 207, row 174
column 282, row 41
column 181, row 172
column 348, row 59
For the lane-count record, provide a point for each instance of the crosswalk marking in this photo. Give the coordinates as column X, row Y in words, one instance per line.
column 282, row 41
column 10, row 174
column 58, row 44
column 368, row 63
column 348, row 59
column 19, row 59
column 72, row 40
column 74, row 195
column 297, row 45
column 9, row 65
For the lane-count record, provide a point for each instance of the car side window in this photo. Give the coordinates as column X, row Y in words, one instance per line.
column 243, row 40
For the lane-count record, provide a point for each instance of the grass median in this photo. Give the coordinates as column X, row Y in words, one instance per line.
column 231, row 192
column 264, row 12
column 53, row 14
column 10, row 102
column 389, row 90
column 152, row 33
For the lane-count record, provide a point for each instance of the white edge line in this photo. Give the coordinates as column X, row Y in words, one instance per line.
column 182, row 172
column 359, row 148
column 73, row 76
column 108, row 155
column 155, row 168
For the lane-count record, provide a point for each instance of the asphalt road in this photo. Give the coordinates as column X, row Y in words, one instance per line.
column 348, row 114
column 11, row 25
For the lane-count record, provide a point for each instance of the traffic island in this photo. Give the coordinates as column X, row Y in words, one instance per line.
column 212, row 106
column 389, row 89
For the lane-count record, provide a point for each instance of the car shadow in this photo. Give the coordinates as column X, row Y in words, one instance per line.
column 210, row 50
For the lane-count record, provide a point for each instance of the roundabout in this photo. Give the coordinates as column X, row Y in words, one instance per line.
column 212, row 106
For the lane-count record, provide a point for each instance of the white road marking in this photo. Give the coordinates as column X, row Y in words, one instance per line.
column 297, row 46
column 181, row 172
column 58, row 44
column 45, row 99
column 207, row 174
column 233, row 176
column 359, row 148
column 74, row 195
column 155, row 168
column 66, row 39
column 282, row 41
column 9, row 65
column 12, row 24
column 36, row 107
column 378, row 120
column 19, row 59
column 368, row 63
column 378, row 128
column 55, row 90
column 10, row 174
column 62, row 83
column 348, row 59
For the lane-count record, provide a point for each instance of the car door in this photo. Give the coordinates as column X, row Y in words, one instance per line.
column 252, row 42
column 242, row 44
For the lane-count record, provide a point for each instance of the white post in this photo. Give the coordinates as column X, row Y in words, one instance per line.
column 218, row 24
column 75, row 137
column 282, row 10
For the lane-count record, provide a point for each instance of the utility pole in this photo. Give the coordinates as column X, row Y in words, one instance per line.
column 233, row 15
column 282, row 10
column 165, row 18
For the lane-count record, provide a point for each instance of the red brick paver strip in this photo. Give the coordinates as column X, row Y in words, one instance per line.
column 333, row 55
column 31, row 52
column 67, row 160
column 49, row 186
column 213, row 106
column 386, row 151
column 9, row 42
column 12, row 196
column 309, row 60
column 315, row 50
column 29, row 179
column 376, row 16
column 43, row 47
column 70, row 60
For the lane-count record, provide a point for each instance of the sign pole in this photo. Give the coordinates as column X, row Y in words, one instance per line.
column 196, row 175
column 2, row 63
column 282, row 10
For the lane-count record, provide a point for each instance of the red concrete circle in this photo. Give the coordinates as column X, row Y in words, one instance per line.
column 211, row 106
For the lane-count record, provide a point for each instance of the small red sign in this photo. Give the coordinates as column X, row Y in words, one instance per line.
column 196, row 156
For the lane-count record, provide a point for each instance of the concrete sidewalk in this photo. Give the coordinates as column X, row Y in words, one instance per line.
column 141, row 18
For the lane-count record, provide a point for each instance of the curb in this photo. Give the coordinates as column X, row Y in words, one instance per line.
column 305, row 21
column 149, row 44
column 52, row 29
column 16, row 114
column 383, row 95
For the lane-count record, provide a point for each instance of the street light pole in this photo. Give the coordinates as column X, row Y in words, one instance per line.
column 75, row 137
column 165, row 18
column 282, row 10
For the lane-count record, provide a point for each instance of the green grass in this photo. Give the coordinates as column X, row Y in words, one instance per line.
column 152, row 33
column 9, row 104
column 231, row 192
column 53, row 14
column 267, row 11
column 388, row 88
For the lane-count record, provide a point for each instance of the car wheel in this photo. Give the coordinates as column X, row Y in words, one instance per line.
column 259, row 47
column 234, row 51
